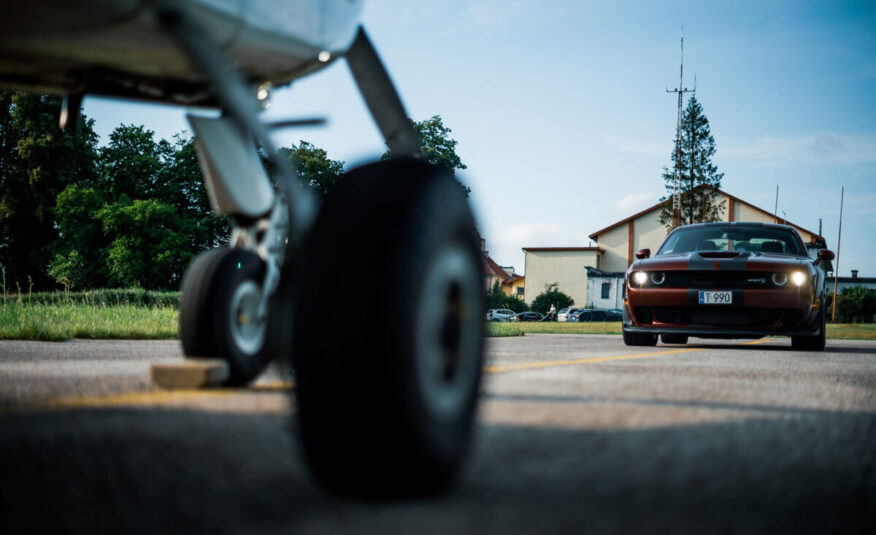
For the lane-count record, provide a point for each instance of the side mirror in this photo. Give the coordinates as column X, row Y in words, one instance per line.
column 646, row 253
column 825, row 255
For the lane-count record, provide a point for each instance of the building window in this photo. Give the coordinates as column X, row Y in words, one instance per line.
column 606, row 289
column 520, row 291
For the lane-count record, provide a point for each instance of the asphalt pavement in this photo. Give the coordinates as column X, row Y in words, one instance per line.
column 577, row 434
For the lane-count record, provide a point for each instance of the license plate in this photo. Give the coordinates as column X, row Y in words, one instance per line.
column 716, row 298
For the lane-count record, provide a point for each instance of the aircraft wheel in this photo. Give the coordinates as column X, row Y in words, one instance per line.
column 386, row 402
column 218, row 312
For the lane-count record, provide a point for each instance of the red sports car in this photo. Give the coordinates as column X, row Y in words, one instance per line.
column 727, row 280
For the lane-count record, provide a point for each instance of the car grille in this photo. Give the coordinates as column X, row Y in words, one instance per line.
column 718, row 317
column 718, row 280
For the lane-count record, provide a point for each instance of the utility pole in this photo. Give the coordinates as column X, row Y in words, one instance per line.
column 836, row 269
column 681, row 90
column 776, row 209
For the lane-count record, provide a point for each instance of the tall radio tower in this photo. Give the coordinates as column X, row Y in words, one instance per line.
column 681, row 90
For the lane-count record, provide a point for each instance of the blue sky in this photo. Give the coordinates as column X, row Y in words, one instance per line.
column 562, row 117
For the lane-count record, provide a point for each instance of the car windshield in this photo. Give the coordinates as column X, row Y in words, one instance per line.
column 735, row 238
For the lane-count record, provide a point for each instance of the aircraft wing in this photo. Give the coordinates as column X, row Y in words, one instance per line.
column 117, row 48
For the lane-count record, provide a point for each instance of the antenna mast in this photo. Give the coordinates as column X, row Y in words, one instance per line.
column 681, row 90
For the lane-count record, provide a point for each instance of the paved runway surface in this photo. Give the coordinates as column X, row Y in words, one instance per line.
column 578, row 434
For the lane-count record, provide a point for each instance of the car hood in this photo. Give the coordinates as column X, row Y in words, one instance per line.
column 721, row 260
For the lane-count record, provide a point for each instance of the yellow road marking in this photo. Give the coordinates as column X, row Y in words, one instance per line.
column 147, row 398
column 165, row 397
column 590, row 360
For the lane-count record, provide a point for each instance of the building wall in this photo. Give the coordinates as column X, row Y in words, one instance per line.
column 848, row 282
column 615, row 293
column 515, row 288
column 750, row 214
column 566, row 268
column 650, row 233
column 615, row 244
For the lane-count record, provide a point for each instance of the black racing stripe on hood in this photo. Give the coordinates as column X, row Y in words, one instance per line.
column 699, row 263
column 735, row 264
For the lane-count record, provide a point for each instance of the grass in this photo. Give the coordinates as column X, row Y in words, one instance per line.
column 66, row 321
column 551, row 327
column 109, row 297
column 137, row 314
column 851, row 331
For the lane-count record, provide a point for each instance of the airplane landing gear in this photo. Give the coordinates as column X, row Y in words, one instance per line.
column 379, row 306
column 219, row 311
column 387, row 347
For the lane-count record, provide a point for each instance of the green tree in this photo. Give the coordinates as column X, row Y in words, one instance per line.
column 497, row 299
column 313, row 165
column 699, row 177
column 551, row 296
column 856, row 304
column 437, row 146
column 183, row 187
column 145, row 217
column 150, row 245
column 132, row 162
column 37, row 161
column 80, row 250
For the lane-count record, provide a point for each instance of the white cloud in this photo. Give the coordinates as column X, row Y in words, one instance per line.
column 812, row 149
column 772, row 151
column 633, row 203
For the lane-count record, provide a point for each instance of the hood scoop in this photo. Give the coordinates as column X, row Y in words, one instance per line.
column 719, row 254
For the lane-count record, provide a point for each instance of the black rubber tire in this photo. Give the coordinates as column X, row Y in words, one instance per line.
column 377, row 417
column 673, row 338
column 812, row 343
column 640, row 339
column 205, row 316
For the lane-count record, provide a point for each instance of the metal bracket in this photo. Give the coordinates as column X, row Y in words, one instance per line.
column 381, row 97
column 239, row 103
column 293, row 204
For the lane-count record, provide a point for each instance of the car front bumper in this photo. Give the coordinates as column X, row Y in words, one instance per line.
column 752, row 313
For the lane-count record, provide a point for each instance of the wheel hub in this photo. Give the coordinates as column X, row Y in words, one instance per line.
column 447, row 333
column 247, row 327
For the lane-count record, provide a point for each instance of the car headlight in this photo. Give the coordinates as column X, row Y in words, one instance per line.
column 640, row 278
column 798, row 278
column 658, row 277
column 780, row 279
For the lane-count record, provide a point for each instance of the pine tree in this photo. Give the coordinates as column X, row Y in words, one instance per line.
column 700, row 178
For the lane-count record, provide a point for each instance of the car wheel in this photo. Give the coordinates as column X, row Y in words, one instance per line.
column 218, row 312
column 812, row 343
column 386, row 405
column 640, row 339
column 673, row 338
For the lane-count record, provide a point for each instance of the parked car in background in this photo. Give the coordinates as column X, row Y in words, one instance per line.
column 727, row 280
column 500, row 314
column 564, row 313
column 527, row 316
column 595, row 314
